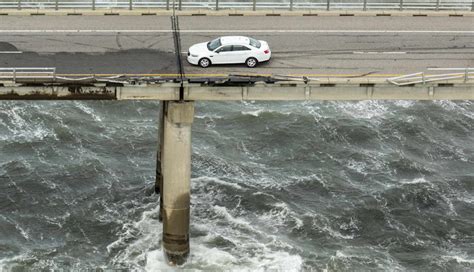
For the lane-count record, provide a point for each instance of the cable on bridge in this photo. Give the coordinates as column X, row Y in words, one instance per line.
column 177, row 49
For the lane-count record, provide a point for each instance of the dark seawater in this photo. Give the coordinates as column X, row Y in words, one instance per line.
column 333, row 186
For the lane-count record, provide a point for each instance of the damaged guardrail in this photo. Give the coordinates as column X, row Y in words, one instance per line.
column 465, row 74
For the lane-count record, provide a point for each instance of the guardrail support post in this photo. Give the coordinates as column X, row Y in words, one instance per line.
column 291, row 5
column 93, row 4
column 401, row 5
column 437, row 5
column 328, row 4
column 56, row 4
column 19, row 4
column 472, row 7
column 217, row 5
column 254, row 5
column 365, row 5
column 130, row 4
column 167, row 4
column 180, row 4
column 178, row 118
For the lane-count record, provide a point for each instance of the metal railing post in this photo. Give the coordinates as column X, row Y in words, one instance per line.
column 365, row 5
column 401, row 5
column 167, row 4
column 217, row 5
column 472, row 7
column 254, row 7
column 56, row 4
column 179, row 4
column 291, row 5
column 328, row 5
column 93, row 4
column 19, row 4
column 14, row 73
column 130, row 4
column 437, row 5
column 466, row 75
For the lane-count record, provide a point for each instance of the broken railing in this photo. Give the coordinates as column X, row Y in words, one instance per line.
column 464, row 74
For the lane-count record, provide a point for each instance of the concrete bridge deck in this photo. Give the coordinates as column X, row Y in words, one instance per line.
column 302, row 46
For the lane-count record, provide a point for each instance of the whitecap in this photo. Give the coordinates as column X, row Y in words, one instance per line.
column 217, row 181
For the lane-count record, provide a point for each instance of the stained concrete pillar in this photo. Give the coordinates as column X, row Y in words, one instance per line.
column 176, row 170
column 159, row 153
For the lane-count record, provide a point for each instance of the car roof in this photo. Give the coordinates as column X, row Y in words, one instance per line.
column 235, row 40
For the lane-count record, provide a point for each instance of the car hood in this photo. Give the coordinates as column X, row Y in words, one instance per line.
column 199, row 49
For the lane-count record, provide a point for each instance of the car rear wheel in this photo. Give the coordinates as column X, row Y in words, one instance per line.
column 251, row 62
column 204, row 62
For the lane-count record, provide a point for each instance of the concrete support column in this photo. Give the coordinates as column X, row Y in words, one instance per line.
column 176, row 189
column 159, row 154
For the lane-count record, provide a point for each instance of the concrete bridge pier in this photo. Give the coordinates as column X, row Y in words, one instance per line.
column 175, row 187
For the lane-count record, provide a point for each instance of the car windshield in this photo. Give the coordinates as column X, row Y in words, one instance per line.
column 212, row 45
column 255, row 43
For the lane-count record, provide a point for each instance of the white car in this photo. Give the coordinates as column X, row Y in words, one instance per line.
column 228, row 50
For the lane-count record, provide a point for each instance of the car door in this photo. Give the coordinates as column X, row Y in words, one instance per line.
column 222, row 55
column 241, row 53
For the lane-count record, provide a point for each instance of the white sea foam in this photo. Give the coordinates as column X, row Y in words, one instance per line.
column 280, row 215
column 23, row 129
column 82, row 106
column 139, row 245
column 217, row 181
column 366, row 109
column 415, row 181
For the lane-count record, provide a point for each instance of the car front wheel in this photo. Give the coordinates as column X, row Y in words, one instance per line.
column 251, row 62
column 204, row 62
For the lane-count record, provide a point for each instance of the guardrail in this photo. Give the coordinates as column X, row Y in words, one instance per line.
column 249, row 4
column 464, row 74
column 15, row 74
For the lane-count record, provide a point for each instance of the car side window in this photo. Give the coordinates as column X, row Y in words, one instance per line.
column 240, row 48
column 226, row 48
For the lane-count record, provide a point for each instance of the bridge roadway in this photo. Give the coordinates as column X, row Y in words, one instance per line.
column 312, row 46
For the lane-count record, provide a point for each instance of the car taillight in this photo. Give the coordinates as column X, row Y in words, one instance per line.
column 266, row 51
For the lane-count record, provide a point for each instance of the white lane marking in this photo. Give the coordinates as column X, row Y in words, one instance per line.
column 11, row 52
column 373, row 53
column 232, row 31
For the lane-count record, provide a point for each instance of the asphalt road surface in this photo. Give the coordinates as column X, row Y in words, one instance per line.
column 311, row 46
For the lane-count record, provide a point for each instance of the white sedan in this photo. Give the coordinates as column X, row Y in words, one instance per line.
column 229, row 50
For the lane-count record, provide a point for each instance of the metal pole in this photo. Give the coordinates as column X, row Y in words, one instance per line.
column 177, row 180
column 130, row 4
column 167, row 4
column 365, row 5
column 328, row 5
column 179, row 4
column 472, row 8
column 401, row 5
column 217, row 4
column 56, row 4
column 291, row 5
column 19, row 4
column 93, row 4
column 254, row 8
column 437, row 5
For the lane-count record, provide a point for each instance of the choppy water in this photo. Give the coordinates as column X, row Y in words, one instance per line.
column 346, row 186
